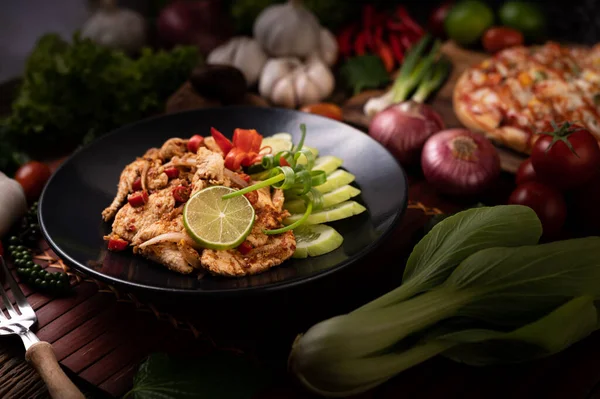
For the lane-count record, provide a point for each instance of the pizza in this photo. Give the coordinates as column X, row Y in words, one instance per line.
column 519, row 91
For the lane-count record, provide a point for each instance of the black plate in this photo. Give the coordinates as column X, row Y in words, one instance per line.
column 85, row 184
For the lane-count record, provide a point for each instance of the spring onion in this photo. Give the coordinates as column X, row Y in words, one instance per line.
column 479, row 289
column 426, row 73
column 283, row 171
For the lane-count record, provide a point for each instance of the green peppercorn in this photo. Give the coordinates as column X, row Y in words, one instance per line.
column 48, row 276
column 34, row 274
column 36, row 267
column 29, row 264
column 21, row 271
column 64, row 277
column 44, row 284
column 14, row 240
column 37, row 281
column 12, row 248
column 19, row 262
column 22, row 248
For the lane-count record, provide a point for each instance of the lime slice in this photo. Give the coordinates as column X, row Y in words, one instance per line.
column 216, row 223
column 316, row 240
column 337, row 179
column 330, row 199
column 328, row 163
column 340, row 211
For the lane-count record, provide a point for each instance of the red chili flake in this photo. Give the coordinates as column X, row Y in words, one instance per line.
column 172, row 173
column 245, row 247
column 117, row 244
column 137, row 184
column 181, row 193
column 138, row 199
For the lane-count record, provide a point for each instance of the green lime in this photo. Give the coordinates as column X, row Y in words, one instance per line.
column 527, row 18
column 467, row 21
column 216, row 223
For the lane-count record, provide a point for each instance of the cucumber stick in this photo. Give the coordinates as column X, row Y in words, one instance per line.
column 328, row 163
column 330, row 199
column 316, row 240
column 340, row 211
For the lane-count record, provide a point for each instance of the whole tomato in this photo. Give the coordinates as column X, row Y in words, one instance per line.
column 33, row 176
column 526, row 172
column 566, row 158
column 498, row 38
column 547, row 202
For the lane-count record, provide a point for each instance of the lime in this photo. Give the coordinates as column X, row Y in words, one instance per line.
column 340, row 211
column 276, row 144
column 316, row 240
column 467, row 21
column 527, row 18
column 216, row 223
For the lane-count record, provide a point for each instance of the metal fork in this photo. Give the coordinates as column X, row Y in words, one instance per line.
column 39, row 353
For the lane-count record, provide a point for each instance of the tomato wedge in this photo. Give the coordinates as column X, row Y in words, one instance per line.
column 222, row 141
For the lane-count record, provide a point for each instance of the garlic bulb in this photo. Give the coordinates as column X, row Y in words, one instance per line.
column 14, row 204
column 288, row 82
column 328, row 48
column 241, row 52
column 116, row 28
column 287, row 30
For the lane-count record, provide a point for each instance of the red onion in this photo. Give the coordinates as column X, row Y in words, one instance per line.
column 460, row 162
column 201, row 23
column 403, row 129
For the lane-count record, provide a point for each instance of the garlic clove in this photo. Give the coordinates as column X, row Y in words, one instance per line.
column 283, row 93
column 328, row 49
column 321, row 76
column 251, row 56
column 307, row 90
column 273, row 71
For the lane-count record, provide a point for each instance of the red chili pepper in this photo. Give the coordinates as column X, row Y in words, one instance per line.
column 138, row 199
column 194, row 143
column 283, row 162
column 368, row 21
column 172, row 173
column 406, row 43
column 378, row 36
column 386, row 55
column 408, row 21
column 396, row 48
column 181, row 194
column 344, row 40
column 222, row 141
column 252, row 196
column 137, row 184
column 234, row 159
column 117, row 244
column 360, row 44
column 396, row 26
column 245, row 247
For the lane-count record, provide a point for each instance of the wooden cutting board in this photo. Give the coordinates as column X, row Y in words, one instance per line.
column 461, row 60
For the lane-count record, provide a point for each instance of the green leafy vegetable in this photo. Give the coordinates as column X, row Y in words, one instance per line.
column 71, row 91
column 364, row 72
column 166, row 377
column 482, row 292
column 457, row 237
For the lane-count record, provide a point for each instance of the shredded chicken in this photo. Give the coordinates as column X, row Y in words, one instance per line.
column 155, row 230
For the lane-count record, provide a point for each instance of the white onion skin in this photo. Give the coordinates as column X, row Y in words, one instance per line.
column 404, row 128
column 454, row 176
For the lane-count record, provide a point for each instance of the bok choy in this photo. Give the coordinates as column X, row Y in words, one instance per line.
column 477, row 288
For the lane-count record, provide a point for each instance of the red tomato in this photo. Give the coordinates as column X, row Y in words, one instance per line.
column 499, row 38
column 194, row 143
column 547, row 202
column 437, row 18
column 567, row 157
column 33, row 176
column 526, row 172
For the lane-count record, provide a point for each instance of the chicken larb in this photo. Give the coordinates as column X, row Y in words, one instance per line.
column 153, row 226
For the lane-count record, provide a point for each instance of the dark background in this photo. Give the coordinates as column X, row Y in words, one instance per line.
column 22, row 21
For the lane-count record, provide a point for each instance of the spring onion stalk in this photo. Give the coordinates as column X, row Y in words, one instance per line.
column 508, row 294
column 433, row 80
column 293, row 178
column 415, row 70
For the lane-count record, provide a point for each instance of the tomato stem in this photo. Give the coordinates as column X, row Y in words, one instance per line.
column 561, row 133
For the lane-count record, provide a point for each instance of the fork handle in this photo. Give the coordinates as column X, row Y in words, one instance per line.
column 41, row 356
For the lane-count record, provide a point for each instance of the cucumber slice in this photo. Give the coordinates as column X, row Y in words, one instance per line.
column 276, row 144
column 330, row 199
column 340, row 211
column 281, row 136
column 316, row 240
column 327, row 163
column 335, row 180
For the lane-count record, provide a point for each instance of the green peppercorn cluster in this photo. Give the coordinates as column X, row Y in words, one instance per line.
column 28, row 271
